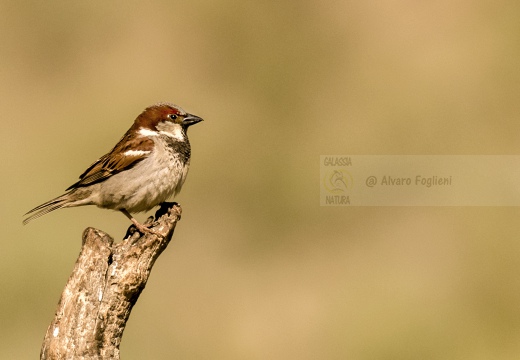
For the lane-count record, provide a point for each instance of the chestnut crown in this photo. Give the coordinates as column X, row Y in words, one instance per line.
column 164, row 112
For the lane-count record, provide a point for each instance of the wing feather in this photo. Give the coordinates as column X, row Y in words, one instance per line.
column 128, row 152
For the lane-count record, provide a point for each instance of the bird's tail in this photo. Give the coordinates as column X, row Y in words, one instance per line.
column 51, row 205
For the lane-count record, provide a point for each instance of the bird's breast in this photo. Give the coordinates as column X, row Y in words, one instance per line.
column 152, row 181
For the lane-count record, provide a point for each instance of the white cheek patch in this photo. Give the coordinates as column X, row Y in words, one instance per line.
column 172, row 130
column 136, row 152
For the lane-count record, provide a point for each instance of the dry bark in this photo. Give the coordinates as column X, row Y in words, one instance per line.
column 104, row 286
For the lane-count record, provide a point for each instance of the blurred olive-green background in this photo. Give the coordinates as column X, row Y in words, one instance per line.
column 257, row 269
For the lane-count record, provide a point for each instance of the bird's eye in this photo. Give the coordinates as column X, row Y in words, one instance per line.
column 172, row 116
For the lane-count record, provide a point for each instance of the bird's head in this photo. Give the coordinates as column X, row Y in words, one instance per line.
column 166, row 118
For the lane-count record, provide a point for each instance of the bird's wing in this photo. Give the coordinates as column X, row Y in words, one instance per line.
column 126, row 154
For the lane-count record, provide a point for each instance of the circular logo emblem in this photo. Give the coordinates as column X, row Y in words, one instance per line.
column 337, row 181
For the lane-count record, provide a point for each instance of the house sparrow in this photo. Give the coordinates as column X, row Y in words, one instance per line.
column 146, row 167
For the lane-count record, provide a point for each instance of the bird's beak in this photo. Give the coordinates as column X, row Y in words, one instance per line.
column 191, row 120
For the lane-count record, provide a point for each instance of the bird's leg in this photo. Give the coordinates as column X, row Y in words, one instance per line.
column 142, row 228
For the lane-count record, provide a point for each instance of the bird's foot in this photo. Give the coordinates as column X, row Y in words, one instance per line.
column 143, row 229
